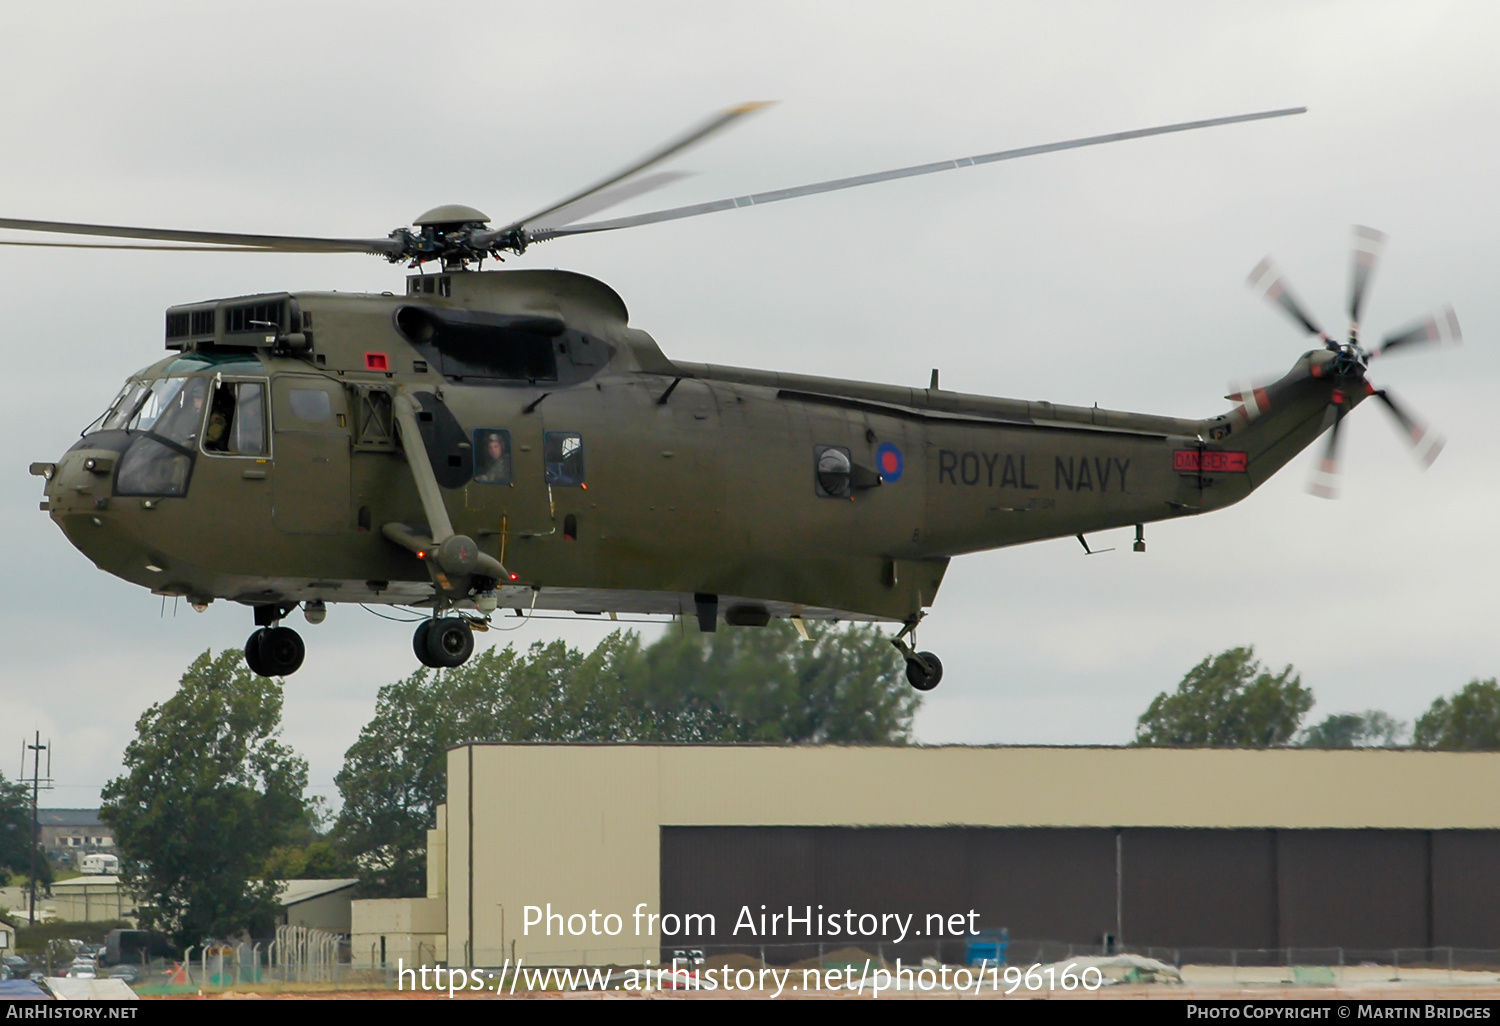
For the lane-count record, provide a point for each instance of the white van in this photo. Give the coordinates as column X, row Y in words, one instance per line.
column 95, row 864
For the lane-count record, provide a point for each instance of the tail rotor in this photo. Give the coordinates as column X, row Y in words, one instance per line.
column 1351, row 359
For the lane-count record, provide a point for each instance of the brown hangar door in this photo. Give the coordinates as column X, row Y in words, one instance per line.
column 310, row 419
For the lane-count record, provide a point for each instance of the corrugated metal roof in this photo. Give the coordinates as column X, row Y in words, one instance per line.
column 294, row 891
column 68, row 817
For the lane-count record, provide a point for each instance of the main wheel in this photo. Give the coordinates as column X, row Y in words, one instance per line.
column 924, row 672
column 281, row 651
column 419, row 643
column 450, row 641
column 252, row 653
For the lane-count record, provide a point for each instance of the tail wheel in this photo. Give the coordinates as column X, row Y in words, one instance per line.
column 924, row 671
column 449, row 642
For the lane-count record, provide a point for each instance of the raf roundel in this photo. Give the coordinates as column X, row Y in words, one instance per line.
column 888, row 460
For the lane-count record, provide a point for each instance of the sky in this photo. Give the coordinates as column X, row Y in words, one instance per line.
column 1113, row 275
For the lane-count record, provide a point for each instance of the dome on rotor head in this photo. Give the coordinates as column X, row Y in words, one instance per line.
column 452, row 213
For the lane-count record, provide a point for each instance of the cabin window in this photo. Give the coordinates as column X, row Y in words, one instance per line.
column 832, row 469
column 310, row 404
column 563, row 453
column 492, row 464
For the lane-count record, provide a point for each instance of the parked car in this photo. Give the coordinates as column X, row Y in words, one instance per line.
column 129, row 973
column 82, row 971
column 19, row 968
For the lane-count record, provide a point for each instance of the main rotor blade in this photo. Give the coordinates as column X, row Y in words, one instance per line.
column 1440, row 328
column 1268, row 281
column 835, row 184
column 689, row 138
column 1365, row 254
column 606, row 198
column 282, row 243
column 1325, row 480
column 1425, row 443
column 130, row 245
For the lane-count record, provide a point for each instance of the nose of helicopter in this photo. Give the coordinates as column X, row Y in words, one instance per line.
column 78, row 497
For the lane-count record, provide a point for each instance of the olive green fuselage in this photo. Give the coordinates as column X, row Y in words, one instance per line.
column 631, row 483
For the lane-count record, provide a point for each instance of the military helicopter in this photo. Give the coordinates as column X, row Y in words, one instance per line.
column 504, row 439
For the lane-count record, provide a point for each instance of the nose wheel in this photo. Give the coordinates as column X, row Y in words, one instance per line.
column 443, row 643
column 274, row 651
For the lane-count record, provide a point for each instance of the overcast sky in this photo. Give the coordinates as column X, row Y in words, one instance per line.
column 1112, row 275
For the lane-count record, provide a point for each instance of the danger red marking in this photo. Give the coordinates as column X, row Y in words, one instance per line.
column 377, row 362
column 1196, row 462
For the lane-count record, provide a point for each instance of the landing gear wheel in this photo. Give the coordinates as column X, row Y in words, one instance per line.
column 279, row 652
column 924, row 671
column 252, row 653
column 449, row 642
column 419, row 643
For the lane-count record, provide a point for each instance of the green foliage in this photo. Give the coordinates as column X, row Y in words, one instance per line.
column 15, row 827
column 1369, row 729
column 737, row 684
column 209, row 791
column 320, row 859
column 1467, row 721
column 1227, row 701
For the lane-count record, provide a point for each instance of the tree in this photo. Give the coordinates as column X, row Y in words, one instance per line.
column 15, row 827
column 319, row 859
column 1369, row 729
column 1227, row 701
column 209, row 791
column 1467, row 721
column 737, row 684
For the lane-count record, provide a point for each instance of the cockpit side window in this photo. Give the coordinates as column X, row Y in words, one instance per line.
column 249, row 432
column 237, row 419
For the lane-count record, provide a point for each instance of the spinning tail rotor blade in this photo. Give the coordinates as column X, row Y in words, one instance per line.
column 1425, row 443
column 1325, row 480
column 1267, row 281
column 1365, row 255
column 1253, row 400
column 1440, row 328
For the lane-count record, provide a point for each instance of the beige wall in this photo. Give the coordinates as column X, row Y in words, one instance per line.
column 329, row 912
column 579, row 825
column 414, row 929
column 91, row 899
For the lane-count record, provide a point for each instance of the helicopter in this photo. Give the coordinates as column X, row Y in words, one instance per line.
column 495, row 440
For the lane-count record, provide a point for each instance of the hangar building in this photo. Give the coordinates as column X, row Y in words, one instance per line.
column 1207, row 848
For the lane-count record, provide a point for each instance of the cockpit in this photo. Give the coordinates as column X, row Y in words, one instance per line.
column 160, row 424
